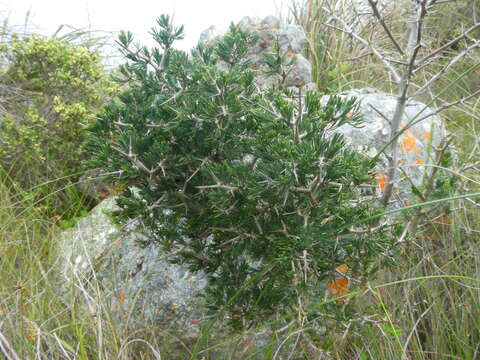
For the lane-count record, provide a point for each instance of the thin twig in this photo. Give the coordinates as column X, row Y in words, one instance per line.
column 376, row 13
column 448, row 44
column 448, row 105
column 347, row 30
column 447, row 67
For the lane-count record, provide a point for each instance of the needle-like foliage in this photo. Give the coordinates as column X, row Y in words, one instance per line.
column 253, row 187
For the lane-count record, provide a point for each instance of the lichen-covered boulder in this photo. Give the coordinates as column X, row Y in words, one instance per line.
column 416, row 144
column 137, row 283
column 137, row 280
column 140, row 286
column 291, row 40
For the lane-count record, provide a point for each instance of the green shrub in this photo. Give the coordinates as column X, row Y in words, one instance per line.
column 53, row 89
column 253, row 188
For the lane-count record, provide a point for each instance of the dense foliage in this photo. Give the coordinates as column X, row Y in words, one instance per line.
column 253, row 187
column 51, row 91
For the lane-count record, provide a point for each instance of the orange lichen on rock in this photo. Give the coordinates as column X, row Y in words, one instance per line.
column 409, row 142
column 122, row 296
column 381, row 180
column 338, row 287
column 342, row 269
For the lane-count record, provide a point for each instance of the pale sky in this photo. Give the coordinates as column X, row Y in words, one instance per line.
column 138, row 16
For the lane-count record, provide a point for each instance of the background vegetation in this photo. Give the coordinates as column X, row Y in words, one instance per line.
column 51, row 90
column 427, row 307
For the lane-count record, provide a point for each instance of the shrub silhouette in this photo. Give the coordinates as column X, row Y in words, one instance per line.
column 252, row 187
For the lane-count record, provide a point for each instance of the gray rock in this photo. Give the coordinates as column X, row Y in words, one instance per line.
column 270, row 22
column 290, row 38
column 138, row 281
column 247, row 22
column 210, row 35
column 300, row 74
column 416, row 144
column 297, row 39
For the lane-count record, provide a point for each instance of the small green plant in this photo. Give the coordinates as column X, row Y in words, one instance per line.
column 254, row 188
column 54, row 90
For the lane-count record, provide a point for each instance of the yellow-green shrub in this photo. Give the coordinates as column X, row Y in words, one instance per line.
column 53, row 89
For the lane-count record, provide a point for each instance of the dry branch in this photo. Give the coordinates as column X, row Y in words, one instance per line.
column 403, row 68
